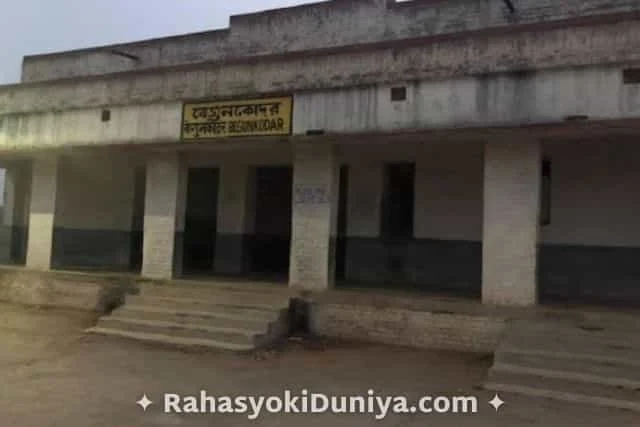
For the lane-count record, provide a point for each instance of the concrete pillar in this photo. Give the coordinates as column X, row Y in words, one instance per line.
column 511, row 222
column 232, row 218
column 42, row 212
column 315, row 200
column 161, row 216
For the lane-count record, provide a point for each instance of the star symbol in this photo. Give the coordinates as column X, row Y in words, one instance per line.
column 144, row 403
column 496, row 402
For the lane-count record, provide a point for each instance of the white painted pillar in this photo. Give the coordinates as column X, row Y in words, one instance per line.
column 512, row 178
column 232, row 218
column 161, row 216
column 42, row 212
column 315, row 199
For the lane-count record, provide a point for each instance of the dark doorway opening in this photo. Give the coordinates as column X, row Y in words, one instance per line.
column 201, row 218
column 137, row 221
column 271, row 240
column 397, row 201
column 341, row 238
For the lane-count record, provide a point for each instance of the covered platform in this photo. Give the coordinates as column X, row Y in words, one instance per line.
column 463, row 213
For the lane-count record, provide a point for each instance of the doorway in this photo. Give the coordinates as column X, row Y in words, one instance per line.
column 341, row 238
column 271, row 240
column 201, row 218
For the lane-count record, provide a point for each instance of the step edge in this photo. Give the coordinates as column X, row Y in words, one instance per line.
column 167, row 339
column 220, row 285
column 196, row 302
column 564, row 396
column 567, row 376
column 196, row 321
column 173, row 325
column 570, row 355
column 208, row 314
column 560, row 363
column 212, row 292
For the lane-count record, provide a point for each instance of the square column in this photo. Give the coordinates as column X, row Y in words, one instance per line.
column 315, row 202
column 232, row 219
column 512, row 177
column 44, row 186
column 161, row 216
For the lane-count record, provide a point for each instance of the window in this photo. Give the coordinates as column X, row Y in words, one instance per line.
column 545, row 193
column 398, row 93
column 631, row 76
column 397, row 201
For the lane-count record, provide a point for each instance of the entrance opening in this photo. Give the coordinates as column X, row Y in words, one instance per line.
column 137, row 221
column 398, row 202
column 201, row 220
column 341, row 238
column 271, row 242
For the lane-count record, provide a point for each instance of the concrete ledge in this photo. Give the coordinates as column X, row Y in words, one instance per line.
column 87, row 292
column 398, row 325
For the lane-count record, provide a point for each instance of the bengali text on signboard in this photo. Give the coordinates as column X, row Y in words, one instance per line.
column 257, row 117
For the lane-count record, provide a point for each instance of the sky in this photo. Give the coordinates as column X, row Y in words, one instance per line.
column 30, row 27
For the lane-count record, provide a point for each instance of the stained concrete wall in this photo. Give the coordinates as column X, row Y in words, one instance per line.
column 322, row 25
column 449, row 192
column 594, row 200
column 516, row 99
column 96, row 192
column 593, row 184
column 133, row 125
column 445, row 250
column 240, row 152
column 94, row 211
column 590, row 250
column 441, row 59
column 540, row 97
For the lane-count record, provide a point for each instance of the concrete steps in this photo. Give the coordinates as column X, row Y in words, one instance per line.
column 197, row 316
column 236, row 306
column 205, row 318
column 592, row 364
column 606, row 367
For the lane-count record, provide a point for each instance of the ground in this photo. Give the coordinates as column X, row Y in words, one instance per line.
column 52, row 374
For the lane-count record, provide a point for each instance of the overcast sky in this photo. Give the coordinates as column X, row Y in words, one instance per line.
column 40, row 26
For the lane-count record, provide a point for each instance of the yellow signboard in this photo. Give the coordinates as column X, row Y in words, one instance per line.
column 256, row 117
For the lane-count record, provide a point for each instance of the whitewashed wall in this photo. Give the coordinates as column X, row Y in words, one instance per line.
column 595, row 193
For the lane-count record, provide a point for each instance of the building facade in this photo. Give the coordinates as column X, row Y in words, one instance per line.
column 467, row 147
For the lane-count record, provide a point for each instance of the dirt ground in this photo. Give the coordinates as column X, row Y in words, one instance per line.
column 51, row 374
